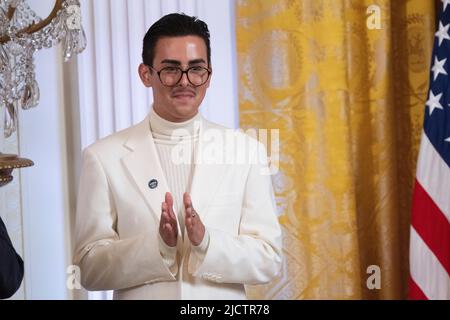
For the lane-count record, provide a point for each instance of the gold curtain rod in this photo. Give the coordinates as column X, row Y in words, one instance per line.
column 35, row 26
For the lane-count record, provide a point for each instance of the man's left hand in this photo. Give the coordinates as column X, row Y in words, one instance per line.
column 194, row 226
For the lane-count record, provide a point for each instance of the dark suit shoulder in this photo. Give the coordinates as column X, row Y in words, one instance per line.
column 11, row 265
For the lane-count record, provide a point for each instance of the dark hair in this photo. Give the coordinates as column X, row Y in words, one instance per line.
column 174, row 25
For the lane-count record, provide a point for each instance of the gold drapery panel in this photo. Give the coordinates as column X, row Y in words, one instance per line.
column 349, row 103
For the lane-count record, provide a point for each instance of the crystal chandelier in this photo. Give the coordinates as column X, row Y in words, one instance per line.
column 22, row 33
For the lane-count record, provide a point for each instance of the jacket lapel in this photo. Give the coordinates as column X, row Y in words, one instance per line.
column 143, row 165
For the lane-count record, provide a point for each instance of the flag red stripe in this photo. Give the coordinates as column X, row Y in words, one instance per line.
column 432, row 226
column 415, row 293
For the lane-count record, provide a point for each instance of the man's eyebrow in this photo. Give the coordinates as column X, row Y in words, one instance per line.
column 169, row 61
column 178, row 63
column 196, row 61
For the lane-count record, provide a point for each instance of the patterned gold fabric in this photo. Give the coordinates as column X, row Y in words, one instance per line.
column 349, row 102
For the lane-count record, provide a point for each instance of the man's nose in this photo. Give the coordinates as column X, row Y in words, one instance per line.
column 184, row 81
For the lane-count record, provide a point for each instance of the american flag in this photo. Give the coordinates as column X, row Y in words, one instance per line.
column 430, row 226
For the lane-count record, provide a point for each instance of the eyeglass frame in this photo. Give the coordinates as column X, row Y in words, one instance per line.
column 158, row 72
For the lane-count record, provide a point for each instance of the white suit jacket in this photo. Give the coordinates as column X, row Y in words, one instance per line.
column 118, row 214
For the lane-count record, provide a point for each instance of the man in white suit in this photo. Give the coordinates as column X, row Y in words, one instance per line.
column 176, row 207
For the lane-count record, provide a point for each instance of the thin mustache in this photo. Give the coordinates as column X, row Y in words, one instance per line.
column 183, row 91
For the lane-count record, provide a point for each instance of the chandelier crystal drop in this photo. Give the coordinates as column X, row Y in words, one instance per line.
column 22, row 33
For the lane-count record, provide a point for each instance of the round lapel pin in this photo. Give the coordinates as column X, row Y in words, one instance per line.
column 153, row 184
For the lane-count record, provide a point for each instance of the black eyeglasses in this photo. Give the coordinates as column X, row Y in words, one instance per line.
column 171, row 76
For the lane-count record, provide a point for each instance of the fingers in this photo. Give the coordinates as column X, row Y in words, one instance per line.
column 168, row 234
column 167, row 227
column 169, row 202
column 168, row 222
column 187, row 200
column 194, row 226
column 189, row 219
column 166, row 217
column 189, row 209
column 169, row 199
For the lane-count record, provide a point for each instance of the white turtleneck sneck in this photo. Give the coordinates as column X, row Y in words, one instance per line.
column 176, row 144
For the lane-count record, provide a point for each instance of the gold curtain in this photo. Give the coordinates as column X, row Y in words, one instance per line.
column 349, row 103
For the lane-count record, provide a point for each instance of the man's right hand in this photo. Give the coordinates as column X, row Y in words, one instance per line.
column 168, row 222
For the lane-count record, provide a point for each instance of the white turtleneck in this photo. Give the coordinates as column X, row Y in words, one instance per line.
column 172, row 139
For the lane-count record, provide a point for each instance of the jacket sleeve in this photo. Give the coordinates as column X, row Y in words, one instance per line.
column 107, row 262
column 254, row 255
column 11, row 265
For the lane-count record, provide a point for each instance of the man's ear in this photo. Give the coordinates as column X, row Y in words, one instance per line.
column 145, row 75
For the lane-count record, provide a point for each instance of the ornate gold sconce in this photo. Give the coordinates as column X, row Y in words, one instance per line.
column 9, row 162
